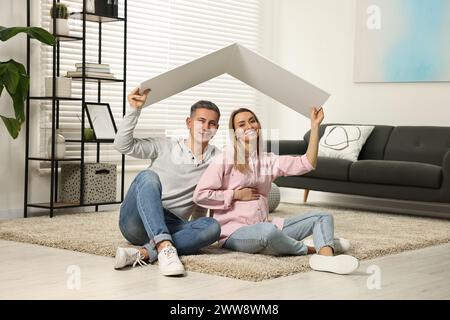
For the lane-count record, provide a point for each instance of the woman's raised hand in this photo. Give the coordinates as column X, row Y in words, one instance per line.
column 317, row 116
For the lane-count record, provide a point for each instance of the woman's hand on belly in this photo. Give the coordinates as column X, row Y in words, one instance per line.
column 246, row 194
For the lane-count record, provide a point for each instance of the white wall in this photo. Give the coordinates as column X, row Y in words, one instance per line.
column 12, row 152
column 315, row 40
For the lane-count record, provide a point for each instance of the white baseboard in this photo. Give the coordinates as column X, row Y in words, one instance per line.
column 11, row 214
column 432, row 209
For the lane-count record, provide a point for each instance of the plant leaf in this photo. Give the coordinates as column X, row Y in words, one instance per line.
column 19, row 105
column 12, row 125
column 21, row 92
column 9, row 76
column 3, row 67
column 42, row 35
column 37, row 33
column 7, row 33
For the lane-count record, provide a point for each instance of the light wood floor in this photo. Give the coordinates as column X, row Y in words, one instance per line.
column 35, row 272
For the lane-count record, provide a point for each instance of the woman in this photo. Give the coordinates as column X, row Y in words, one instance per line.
column 236, row 185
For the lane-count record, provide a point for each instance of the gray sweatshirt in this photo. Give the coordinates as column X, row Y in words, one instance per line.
column 173, row 161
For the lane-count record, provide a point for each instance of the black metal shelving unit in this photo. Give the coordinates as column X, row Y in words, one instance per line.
column 84, row 17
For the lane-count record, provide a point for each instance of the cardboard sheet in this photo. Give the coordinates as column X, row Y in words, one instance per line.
column 246, row 66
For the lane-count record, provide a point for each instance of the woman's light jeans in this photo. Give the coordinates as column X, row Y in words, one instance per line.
column 266, row 238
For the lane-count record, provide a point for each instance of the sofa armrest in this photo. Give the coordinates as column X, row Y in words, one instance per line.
column 445, row 189
column 287, row 147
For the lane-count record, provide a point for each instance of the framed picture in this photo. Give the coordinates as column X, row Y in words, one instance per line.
column 102, row 121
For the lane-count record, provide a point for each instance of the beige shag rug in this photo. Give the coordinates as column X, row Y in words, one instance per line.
column 371, row 234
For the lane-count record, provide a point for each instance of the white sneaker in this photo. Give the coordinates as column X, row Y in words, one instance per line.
column 341, row 245
column 169, row 263
column 342, row 264
column 128, row 256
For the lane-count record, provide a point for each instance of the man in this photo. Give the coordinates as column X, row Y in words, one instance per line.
column 156, row 210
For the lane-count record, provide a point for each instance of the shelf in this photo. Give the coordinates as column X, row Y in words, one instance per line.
column 67, row 38
column 56, row 98
column 48, row 159
column 55, row 205
column 88, row 81
column 60, row 205
column 95, row 17
column 96, row 79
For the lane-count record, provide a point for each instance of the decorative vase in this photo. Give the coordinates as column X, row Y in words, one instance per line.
column 63, row 87
column 60, row 146
column 90, row 6
column 62, row 27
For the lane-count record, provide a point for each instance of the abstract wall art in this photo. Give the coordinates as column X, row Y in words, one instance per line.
column 402, row 41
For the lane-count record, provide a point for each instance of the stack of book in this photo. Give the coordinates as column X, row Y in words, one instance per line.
column 93, row 70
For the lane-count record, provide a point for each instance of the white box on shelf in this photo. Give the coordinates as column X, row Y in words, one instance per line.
column 63, row 87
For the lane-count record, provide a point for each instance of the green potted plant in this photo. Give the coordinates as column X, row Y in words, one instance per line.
column 60, row 13
column 14, row 77
column 88, row 133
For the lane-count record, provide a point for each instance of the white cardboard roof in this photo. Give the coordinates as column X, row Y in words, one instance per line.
column 246, row 66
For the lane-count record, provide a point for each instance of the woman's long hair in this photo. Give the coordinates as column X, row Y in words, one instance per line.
column 239, row 161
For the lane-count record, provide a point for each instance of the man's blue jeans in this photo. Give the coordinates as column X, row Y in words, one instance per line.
column 266, row 238
column 145, row 222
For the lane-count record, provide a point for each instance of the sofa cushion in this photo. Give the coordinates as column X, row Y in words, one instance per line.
column 343, row 142
column 374, row 146
column 329, row 168
column 286, row 147
column 396, row 173
column 418, row 144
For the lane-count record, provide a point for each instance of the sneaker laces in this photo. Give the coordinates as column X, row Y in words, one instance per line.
column 139, row 260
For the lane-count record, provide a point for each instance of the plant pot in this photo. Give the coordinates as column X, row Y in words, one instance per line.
column 62, row 27
column 88, row 134
column 90, row 6
column 60, row 145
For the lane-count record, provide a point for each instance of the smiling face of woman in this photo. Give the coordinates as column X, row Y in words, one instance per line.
column 246, row 126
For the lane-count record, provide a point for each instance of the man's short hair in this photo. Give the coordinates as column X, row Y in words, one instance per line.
column 203, row 104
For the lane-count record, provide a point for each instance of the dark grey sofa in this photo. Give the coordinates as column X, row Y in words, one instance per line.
column 408, row 163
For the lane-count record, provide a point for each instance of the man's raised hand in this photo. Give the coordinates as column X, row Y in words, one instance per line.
column 137, row 100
